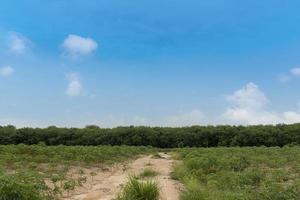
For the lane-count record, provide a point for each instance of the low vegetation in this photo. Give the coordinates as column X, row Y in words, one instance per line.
column 148, row 173
column 139, row 190
column 239, row 173
column 40, row 172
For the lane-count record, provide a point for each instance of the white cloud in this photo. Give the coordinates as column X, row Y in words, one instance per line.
column 291, row 117
column 295, row 72
column 74, row 86
column 6, row 71
column 75, row 45
column 249, row 97
column 18, row 43
column 249, row 106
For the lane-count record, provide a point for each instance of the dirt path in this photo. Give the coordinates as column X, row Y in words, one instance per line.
column 106, row 184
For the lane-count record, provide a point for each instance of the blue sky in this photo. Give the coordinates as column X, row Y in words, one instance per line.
column 157, row 63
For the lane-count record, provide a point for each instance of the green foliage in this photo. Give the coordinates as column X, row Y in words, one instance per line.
column 195, row 136
column 69, row 185
column 135, row 190
column 258, row 173
column 13, row 155
column 23, row 187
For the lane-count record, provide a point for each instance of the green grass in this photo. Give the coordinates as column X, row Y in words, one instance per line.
column 148, row 173
column 137, row 190
column 257, row 173
column 24, row 170
column 15, row 154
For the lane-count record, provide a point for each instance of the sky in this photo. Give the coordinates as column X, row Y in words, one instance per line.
column 72, row 63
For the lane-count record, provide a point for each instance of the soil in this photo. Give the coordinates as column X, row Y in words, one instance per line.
column 108, row 182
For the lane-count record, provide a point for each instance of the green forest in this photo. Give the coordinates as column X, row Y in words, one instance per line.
column 161, row 137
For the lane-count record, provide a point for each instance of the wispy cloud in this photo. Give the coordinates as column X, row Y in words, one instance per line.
column 75, row 45
column 284, row 78
column 6, row 71
column 18, row 43
column 74, row 85
column 295, row 72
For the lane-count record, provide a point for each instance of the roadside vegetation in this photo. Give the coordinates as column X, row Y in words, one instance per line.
column 257, row 173
column 139, row 190
column 40, row 172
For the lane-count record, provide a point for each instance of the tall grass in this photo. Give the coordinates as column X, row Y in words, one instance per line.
column 137, row 190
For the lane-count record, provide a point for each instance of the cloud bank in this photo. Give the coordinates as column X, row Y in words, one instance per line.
column 249, row 107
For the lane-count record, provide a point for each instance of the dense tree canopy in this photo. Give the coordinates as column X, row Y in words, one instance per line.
column 195, row 136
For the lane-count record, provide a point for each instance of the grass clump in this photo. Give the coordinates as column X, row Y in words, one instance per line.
column 147, row 173
column 136, row 190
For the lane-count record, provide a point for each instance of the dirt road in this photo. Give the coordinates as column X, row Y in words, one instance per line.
column 107, row 183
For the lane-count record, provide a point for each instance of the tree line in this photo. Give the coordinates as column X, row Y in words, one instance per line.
column 162, row 137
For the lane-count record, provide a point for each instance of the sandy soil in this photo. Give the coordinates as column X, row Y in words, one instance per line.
column 108, row 182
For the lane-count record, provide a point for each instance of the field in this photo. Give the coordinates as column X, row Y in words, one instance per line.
column 256, row 173
column 40, row 172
